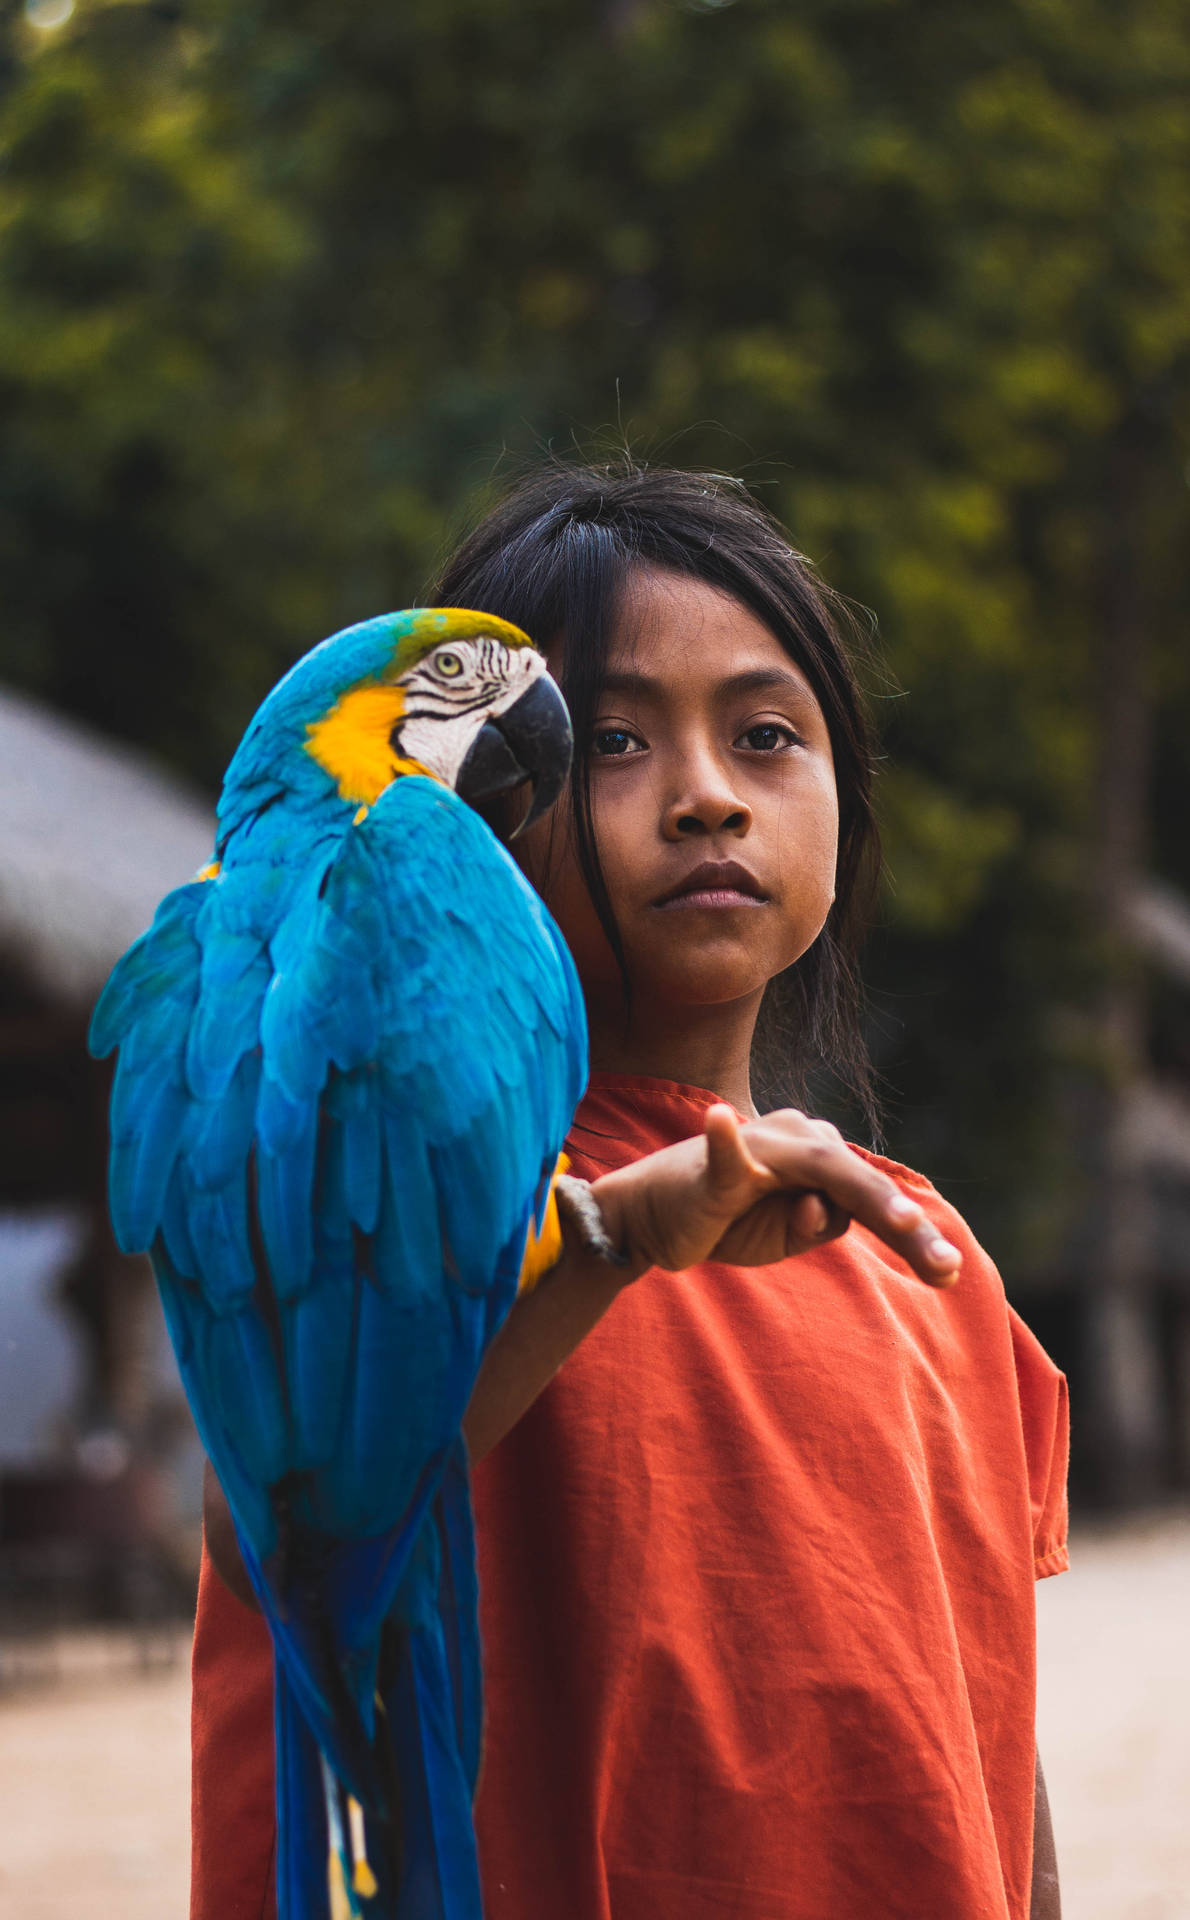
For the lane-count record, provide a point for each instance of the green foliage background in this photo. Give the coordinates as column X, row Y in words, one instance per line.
column 286, row 286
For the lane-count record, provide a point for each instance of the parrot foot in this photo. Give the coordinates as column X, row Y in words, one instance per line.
column 581, row 1207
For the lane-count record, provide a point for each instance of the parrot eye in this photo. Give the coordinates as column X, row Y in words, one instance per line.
column 447, row 664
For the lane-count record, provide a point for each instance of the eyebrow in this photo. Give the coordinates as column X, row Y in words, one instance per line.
column 755, row 680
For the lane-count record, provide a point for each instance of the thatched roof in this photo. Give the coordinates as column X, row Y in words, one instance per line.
column 91, row 836
column 1160, row 919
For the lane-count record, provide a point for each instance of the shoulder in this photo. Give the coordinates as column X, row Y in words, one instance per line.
column 978, row 1306
column 907, row 1178
column 939, row 1209
column 974, row 1312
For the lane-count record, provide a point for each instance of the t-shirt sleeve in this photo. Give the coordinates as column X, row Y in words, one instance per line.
column 233, row 1827
column 1045, row 1418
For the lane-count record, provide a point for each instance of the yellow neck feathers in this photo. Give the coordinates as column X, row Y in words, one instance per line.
column 353, row 743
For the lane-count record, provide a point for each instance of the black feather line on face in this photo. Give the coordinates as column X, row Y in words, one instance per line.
column 444, row 708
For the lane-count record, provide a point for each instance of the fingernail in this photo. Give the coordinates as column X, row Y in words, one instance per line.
column 903, row 1210
column 942, row 1251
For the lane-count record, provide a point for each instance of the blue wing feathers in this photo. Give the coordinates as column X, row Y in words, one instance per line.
column 235, row 974
column 285, row 1185
column 409, row 1232
column 148, row 1121
column 321, row 1331
column 360, row 1142
column 152, row 969
column 220, row 1134
column 188, row 1320
column 459, row 1608
column 220, row 1243
column 236, row 1366
column 280, row 1121
column 346, row 1069
column 177, row 1250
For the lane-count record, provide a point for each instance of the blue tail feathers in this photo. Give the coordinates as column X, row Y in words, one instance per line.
column 419, row 1837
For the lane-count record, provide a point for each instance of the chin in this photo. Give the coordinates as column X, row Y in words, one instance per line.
column 702, row 980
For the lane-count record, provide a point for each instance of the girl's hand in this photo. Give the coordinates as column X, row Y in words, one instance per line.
column 757, row 1191
column 750, row 1193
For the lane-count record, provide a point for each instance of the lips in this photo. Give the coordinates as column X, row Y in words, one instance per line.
column 715, row 883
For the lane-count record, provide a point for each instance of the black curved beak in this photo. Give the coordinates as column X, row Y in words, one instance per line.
column 531, row 740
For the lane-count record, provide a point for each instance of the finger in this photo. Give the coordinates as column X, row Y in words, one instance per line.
column 813, row 1221
column 821, row 1159
column 778, row 1226
column 809, row 1217
column 730, row 1164
column 931, row 1255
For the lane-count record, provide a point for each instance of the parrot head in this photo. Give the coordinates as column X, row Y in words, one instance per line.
column 459, row 696
column 480, row 710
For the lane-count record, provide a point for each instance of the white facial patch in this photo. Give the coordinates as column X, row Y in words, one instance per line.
column 444, row 717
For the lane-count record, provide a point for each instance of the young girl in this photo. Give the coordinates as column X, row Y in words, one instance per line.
column 758, row 1511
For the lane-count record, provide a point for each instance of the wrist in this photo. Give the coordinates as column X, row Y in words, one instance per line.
column 613, row 1194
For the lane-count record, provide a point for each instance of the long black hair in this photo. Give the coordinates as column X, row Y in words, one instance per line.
column 554, row 557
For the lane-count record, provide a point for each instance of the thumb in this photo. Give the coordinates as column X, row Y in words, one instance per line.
column 729, row 1163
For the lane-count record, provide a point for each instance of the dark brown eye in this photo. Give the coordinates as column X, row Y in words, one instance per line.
column 767, row 737
column 611, row 743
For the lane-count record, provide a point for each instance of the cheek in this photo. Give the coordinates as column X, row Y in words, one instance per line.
column 810, row 843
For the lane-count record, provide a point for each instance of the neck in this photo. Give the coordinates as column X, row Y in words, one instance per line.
column 700, row 1046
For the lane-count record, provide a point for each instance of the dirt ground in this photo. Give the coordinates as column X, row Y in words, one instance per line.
column 94, row 1780
column 93, row 1755
column 1114, row 1720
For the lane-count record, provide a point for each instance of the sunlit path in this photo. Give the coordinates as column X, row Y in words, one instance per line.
column 1114, row 1721
column 94, row 1789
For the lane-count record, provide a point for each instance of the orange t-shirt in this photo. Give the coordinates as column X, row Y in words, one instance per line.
column 756, row 1596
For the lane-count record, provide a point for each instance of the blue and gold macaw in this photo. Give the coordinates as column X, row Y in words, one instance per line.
column 349, row 1052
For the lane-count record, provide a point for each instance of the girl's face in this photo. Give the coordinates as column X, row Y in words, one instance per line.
column 713, row 803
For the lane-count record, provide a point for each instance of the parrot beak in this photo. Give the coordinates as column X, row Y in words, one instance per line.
column 531, row 740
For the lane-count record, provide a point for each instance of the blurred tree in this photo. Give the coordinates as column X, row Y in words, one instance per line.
column 282, row 278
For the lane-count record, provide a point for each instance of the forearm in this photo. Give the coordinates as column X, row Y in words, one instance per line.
column 219, row 1535
column 753, row 1194
column 543, row 1330
column 1046, row 1903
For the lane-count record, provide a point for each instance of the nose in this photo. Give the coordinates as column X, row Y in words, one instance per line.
column 705, row 801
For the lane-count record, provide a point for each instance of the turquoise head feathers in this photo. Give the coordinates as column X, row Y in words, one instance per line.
column 452, row 694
